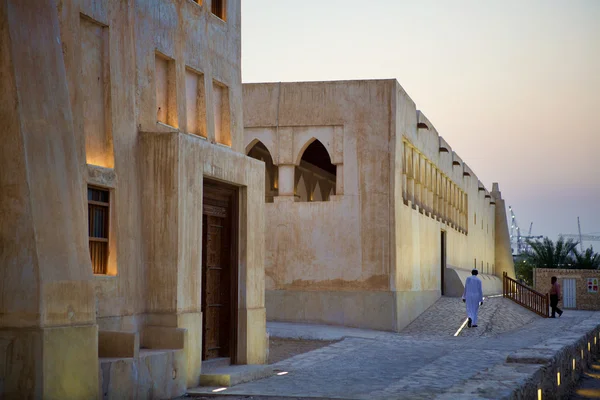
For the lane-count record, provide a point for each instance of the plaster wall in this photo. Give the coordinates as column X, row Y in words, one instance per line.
column 341, row 245
column 89, row 68
column 334, row 262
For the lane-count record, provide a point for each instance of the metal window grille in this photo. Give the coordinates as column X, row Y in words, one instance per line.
column 98, row 215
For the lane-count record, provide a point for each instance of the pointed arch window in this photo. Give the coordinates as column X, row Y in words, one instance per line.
column 260, row 152
column 315, row 176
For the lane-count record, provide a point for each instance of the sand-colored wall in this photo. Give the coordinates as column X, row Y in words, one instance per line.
column 341, row 245
column 419, row 220
column 324, row 259
column 65, row 131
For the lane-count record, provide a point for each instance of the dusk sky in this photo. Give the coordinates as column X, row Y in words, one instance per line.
column 513, row 85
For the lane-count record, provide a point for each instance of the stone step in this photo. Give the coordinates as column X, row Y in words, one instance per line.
column 233, row 375
column 211, row 365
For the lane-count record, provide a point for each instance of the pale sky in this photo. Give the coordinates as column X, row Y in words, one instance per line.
column 512, row 85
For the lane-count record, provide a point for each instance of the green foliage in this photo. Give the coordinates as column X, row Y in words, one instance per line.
column 524, row 271
column 546, row 254
column 587, row 259
column 563, row 254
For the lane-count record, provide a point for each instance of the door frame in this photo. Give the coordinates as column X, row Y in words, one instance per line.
column 213, row 186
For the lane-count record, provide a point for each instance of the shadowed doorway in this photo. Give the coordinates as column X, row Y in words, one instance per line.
column 219, row 270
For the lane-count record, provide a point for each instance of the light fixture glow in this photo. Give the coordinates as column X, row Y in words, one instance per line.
column 282, row 373
column 219, row 390
column 539, row 394
column 461, row 327
column 558, row 378
column 573, row 364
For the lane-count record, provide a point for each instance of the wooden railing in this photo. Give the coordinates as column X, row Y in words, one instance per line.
column 525, row 296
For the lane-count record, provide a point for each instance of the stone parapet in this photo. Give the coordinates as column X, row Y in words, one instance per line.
column 549, row 370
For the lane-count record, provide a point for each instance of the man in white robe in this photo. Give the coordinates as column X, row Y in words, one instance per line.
column 473, row 296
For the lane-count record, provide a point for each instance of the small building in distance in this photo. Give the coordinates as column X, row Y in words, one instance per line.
column 370, row 215
column 580, row 287
column 132, row 225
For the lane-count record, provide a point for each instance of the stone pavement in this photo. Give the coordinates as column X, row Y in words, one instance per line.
column 415, row 364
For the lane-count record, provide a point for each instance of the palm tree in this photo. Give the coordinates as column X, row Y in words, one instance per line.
column 545, row 254
column 587, row 259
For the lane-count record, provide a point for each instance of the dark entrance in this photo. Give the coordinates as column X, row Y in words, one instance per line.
column 219, row 270
column 442, row 260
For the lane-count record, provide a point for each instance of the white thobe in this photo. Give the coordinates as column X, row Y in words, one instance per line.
column 473, row 295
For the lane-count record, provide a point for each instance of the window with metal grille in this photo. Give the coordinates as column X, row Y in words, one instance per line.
column 98, row 215
column 218, row 8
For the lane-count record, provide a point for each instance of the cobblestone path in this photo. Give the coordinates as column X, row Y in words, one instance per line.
column 417, row 363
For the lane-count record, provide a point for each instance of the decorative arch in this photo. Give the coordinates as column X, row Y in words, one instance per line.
column 422, row 125
column 298, row 156
column 315, row 174
column 257, row 150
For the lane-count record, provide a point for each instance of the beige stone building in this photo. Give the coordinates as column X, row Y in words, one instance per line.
column 131, row 221
column 370, row 215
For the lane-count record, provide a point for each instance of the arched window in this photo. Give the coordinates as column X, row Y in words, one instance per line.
column 260, row 152
column 315, row 177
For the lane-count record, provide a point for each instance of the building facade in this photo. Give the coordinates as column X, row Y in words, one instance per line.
column 132, row 234
column 580, row 287
column 370, row 215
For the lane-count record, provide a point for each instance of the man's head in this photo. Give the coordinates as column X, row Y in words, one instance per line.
column 553, row 280
column 474, row 272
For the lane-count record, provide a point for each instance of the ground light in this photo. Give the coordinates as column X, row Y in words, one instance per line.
column 219, row 390
column 461, row 327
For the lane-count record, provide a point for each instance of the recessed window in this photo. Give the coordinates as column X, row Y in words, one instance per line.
column 195, row 103
column 98, row 217
column 164, row 79
column 95, row 98
column 222, row 115
column 218, row 8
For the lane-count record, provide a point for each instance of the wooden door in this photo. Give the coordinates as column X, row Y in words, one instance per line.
column 219, row 286
column 569, row 290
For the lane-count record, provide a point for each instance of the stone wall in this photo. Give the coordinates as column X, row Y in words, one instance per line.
column 142, row 99
column 549, row 370
column 371, row 256
column 584, row 300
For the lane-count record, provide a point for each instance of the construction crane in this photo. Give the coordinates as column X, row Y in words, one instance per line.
column 518, row 242
column 581, row 237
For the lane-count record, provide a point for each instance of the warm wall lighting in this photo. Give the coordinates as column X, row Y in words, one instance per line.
column 582, row 353
column 573, row 364
column 539, row 394
column 558, row 378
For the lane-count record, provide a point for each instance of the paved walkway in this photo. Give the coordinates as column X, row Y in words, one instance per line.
column 415, row 364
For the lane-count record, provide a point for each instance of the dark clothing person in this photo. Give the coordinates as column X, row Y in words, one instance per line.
column 555, row 297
